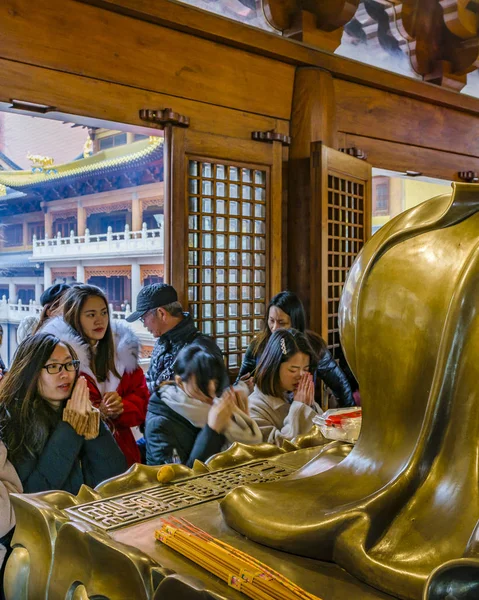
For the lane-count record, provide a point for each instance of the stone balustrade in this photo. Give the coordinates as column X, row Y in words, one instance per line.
column 131, row 243
column 14, row 312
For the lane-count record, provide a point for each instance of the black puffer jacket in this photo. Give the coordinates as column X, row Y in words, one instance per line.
column 168, row 346
column 166, row 432
column 328, row 370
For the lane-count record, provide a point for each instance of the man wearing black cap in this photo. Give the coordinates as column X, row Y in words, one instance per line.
column 158, row 308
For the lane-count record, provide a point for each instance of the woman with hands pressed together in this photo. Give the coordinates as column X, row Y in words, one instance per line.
column 193, row 417
column 108, row 353
column 46, row 450
column 286, row 311
column 282, row 402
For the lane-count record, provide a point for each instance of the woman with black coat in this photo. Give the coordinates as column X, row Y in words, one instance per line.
column 286, row 311
column 194, row 416
column 46, row 451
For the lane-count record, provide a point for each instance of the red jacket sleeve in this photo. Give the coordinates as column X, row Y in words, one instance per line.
column 135, row 395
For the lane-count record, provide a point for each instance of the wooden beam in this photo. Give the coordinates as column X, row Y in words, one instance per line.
column 203, row 24
column 402, row 157
column 80, row 99
column 312, row 120
column 67, row 36
column 366, row 111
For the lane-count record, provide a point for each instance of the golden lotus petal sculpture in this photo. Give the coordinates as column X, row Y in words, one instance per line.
column 405, row 500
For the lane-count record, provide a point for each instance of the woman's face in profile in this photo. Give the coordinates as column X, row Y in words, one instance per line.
column 56, row 387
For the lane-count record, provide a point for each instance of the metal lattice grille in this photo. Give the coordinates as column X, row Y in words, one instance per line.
column 346, row 236
column 227, row 249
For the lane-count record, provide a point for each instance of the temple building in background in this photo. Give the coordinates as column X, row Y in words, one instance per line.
column 96, row 219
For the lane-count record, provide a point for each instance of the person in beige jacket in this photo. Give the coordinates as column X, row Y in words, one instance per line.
column 282, row 402
column 9, row 482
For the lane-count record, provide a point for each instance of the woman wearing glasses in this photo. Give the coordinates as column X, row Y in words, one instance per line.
column 46, row 451
column 108, row 353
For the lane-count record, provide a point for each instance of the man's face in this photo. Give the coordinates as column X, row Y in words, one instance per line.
column 154, row 321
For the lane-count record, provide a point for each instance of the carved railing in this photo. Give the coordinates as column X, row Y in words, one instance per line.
column 124, row 242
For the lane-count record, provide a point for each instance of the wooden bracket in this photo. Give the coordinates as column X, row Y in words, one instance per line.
column 271, row 136
column 356, row 152
column 469, row 176
column 164, row 117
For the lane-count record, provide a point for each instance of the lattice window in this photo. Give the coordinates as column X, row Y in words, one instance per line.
column 346, row 237
column 227, row 253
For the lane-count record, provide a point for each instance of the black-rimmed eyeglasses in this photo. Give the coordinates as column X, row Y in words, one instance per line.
column 144, row 315
column 55, row 368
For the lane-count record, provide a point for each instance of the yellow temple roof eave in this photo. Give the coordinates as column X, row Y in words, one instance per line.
column 104, row 161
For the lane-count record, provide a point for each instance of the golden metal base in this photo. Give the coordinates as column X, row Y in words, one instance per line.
column 100, row 544
column 405, row 500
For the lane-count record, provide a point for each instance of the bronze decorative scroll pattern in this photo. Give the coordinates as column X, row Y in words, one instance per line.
column 131, row 508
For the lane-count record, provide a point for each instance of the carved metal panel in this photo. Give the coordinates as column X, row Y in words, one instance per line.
column 134, row 507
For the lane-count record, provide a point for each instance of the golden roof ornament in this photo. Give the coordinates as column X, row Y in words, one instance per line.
column 88, row 147
column 41, row 164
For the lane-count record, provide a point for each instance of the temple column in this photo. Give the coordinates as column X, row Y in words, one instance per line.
column 81, row 219
column 48, row 224
column 135, row 283
column 80, row 276
column 38, row 292
column 136, row 216
column 12, row 293
column 47, row 276
column 25, row 239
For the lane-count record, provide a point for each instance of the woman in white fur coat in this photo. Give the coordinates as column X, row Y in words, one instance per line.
column 193, row 418
column 108, row 352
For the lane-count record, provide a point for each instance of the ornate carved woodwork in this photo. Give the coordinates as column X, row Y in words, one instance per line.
column 64, row 214
column 147, row 202
column 108, row 271
column 108, row 208
column 151, row 271
column 311, row 21
column 164, row 117
column 66, row 272
column 439, row 37
column 271, row 136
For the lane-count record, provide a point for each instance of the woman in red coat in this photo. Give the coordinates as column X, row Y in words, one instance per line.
column 108, row 353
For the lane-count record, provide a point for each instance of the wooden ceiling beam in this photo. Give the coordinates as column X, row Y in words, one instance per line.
column 182, row 17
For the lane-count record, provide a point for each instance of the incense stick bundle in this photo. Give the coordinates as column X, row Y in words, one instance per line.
column 240, row 570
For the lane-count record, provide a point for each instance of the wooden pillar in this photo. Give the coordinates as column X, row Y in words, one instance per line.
column 313, row 118
column 48, row 223
column 26, row 241
column 136, row 216
column 81, row 219
column 136, row 283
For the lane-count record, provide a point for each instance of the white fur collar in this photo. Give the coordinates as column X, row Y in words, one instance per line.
column 127, row 345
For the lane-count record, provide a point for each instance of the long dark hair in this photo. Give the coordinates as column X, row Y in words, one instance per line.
column 26, row 419
column 205, row 366
column 281, row 346
column 102, row 361
column 289, row 303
